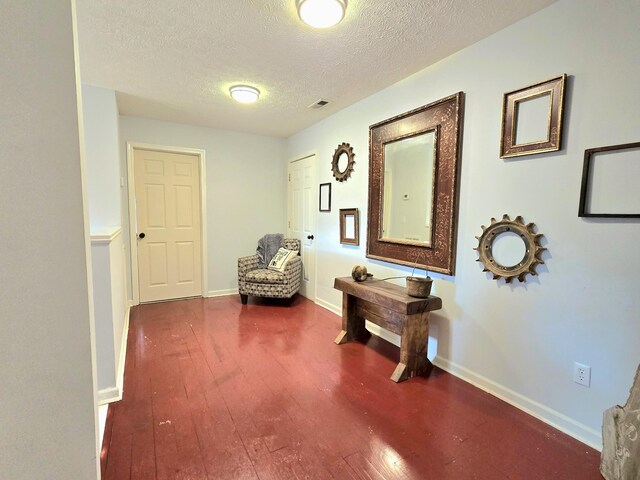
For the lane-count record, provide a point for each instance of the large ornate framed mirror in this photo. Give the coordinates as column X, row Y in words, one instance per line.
column 413, row 186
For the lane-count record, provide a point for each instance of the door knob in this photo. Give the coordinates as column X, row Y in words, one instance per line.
column 141, row 235
column 310, row 237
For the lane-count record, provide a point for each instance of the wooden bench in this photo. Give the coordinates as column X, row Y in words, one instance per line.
column 388, row 306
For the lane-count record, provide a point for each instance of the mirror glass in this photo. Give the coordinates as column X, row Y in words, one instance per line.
column 508, row 249
column 343, row 162
column 349, row 226
column 407, row 205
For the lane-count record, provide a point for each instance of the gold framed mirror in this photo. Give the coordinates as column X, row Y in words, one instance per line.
column 413, row 186
column 349, row 226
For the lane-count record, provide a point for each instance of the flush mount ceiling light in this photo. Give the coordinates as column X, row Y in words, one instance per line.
column 244, row 93
column 321, row 13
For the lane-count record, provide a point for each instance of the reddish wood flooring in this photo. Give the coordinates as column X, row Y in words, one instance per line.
column 217, row 390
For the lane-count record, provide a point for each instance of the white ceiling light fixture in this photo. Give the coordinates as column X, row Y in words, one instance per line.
column 244, row 93
column 321, row 13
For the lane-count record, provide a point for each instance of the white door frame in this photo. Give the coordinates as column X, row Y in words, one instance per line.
column 133, row 234
column 312, row 153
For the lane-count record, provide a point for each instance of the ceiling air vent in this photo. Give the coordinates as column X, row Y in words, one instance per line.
column 319, row 104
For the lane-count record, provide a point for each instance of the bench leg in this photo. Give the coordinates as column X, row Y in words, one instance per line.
column 413, row 348
column 352, row 325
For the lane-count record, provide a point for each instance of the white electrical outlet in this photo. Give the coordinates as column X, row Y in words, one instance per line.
column 582, row 374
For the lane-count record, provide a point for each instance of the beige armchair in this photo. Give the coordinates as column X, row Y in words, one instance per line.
column 262, row 282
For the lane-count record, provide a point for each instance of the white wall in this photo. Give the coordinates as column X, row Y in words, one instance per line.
column 246, row 188
column 100, row 116
column 47, row 409
column 520, row 341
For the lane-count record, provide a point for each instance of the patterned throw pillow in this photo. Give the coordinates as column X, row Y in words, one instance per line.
column 280, row 259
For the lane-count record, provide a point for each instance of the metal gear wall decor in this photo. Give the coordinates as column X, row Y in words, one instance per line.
column 531, row 241
column 343, row 149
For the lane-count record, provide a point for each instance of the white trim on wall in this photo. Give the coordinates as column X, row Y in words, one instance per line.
column 131, row 146
column 222, row 293
column 109, row 395
column 123, row 352
column 106, row 237
column 329, row 306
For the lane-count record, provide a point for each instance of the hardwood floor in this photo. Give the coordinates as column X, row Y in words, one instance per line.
column 217, row 390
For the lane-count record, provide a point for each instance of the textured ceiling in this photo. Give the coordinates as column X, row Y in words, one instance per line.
column 175, row 60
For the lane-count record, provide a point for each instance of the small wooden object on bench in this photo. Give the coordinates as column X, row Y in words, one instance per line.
column 388, row 306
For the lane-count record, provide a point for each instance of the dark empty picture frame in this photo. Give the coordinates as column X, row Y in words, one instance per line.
column 532, row 119
column 610, row 179
column 324, row 201
column 349, row 226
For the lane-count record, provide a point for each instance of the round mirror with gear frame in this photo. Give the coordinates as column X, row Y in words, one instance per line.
column 509, row 249
column 342, row 164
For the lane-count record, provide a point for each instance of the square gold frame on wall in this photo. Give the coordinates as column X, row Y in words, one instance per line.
column 555, row 89
column 352, row 216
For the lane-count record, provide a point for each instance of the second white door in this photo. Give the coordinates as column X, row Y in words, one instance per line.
column 167, row 201
column 302, row 217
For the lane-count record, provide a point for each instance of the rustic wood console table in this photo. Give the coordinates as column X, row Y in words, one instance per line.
column 388, row 306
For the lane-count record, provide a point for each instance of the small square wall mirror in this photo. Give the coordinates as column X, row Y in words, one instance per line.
column 349, row 226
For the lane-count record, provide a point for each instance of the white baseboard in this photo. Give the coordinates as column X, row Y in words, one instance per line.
column 102, row 420
column 577, row 430
column 109, row 395
column 123, row 352
column 222, row 293
column 114, row 394
column 372, row 327
column 382, row 333
column 329, row 306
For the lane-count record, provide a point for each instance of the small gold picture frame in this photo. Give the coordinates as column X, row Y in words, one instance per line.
column 349, row 226
column 532, row 119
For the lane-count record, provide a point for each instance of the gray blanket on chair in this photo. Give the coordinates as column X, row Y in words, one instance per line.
column 268, row 246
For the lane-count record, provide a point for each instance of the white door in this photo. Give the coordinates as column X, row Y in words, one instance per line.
column 303, row 195
column 167, row 205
